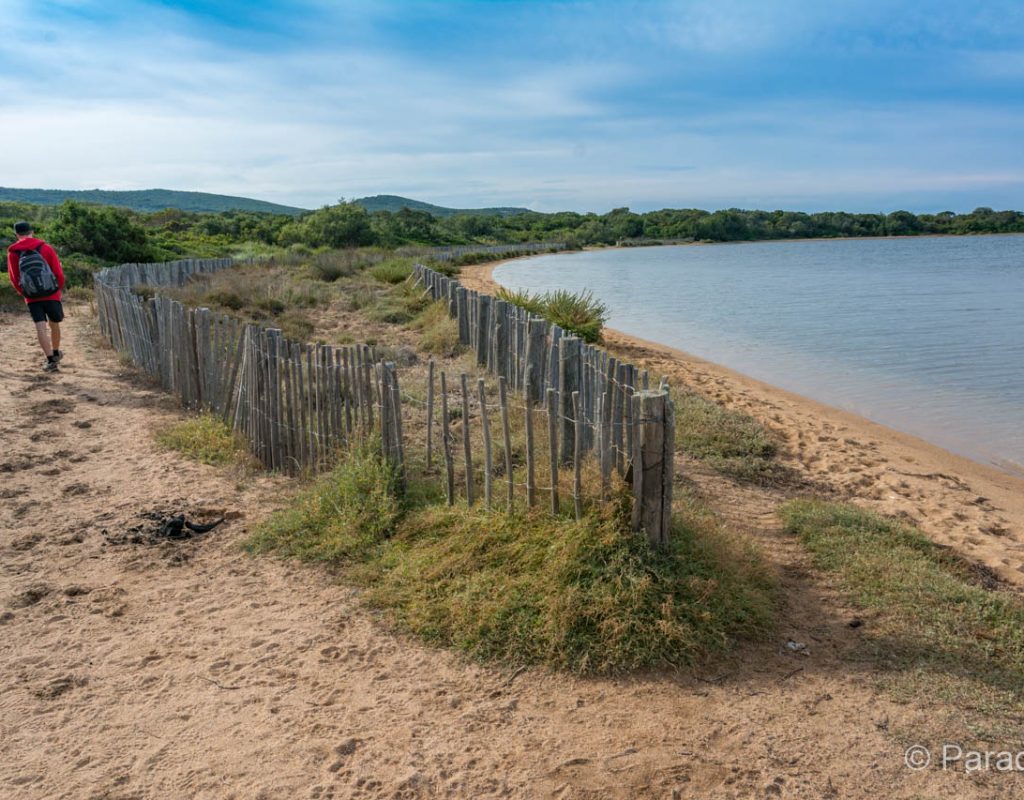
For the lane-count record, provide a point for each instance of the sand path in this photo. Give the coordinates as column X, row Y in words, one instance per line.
column 190, row 670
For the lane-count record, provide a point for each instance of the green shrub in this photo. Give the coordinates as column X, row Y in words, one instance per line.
column 579, row 314
column 331, row 265
column 392, row 271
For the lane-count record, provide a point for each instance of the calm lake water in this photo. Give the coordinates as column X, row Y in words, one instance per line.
column 924, row 335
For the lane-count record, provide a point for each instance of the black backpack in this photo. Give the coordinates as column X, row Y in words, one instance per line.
column 34, row 275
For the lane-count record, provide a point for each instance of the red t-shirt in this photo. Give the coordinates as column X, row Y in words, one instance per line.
column 48, row 254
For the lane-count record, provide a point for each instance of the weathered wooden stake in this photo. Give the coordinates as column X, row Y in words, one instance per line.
column 577, row 486
column 506, row 438
column 553, row 446
column 486, row 427
column 466, row 447
column 430, row 412
column 446, row 442
column 531, row 488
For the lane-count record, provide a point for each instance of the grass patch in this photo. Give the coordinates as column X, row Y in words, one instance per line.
column 205, row 439
column 343, row 517
column 730, row 442
column 941, row 624
column 529, row 588
column 579, row 314
column 398, row 306
column 439, row 332
column 394, row 270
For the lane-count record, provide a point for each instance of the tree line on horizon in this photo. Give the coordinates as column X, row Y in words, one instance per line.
column 97, row 235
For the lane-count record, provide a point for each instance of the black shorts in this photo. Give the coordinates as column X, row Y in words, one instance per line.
column 42, row 310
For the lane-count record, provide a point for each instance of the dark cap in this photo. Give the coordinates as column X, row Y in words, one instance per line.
column 23, row 228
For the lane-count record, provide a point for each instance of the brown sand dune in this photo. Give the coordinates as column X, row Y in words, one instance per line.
column 958, row 502
column 190, row 670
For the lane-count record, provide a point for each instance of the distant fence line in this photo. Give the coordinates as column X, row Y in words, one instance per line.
column 297, row 404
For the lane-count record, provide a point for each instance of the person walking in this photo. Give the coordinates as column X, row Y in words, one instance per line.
column 36, row 274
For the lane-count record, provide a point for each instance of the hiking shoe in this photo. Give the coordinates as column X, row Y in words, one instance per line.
column 50, row 366
column 57, row 355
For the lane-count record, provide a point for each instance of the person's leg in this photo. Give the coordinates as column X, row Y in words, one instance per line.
column 55, row 335
column 43, row 334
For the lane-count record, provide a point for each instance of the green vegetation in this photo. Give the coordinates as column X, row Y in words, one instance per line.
column 206, row 439
column 579, row 314
column 527, row 588
column 393, row 270
column 730, row 442
column 939, row 622
column 89, row 236
column 277, row 295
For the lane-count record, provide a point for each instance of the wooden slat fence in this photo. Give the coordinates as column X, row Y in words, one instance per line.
column 297, row 404
column 595, row 404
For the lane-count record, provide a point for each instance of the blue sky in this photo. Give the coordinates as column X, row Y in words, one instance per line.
column 861, row 106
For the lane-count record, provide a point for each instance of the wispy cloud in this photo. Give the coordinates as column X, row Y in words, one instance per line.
column 585, row 105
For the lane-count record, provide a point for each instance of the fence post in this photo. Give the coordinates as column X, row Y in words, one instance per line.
column 466, row 447
column 486, row 427
column 552, row 405
column 536, row 357
column 577, row 485
column 462, row 311
column 569, row 382
column 483, row 328
column 430, row 412
column 446, row 442
column 652, row 466
column 506, row 438
column 531, row 489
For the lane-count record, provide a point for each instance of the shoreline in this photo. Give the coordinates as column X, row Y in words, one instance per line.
column 974, row 507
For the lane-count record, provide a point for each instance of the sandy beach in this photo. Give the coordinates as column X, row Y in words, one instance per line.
column 190, row 669
column 958, row 502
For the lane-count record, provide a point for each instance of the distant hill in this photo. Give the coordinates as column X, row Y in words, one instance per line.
column 145, row 200
column 391, row 202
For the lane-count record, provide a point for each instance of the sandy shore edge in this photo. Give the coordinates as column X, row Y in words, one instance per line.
column 974, row 507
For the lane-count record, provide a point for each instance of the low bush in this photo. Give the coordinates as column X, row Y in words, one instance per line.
column 579, row 314
column 331, row 265
column 392, row 271
column 584, row 596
